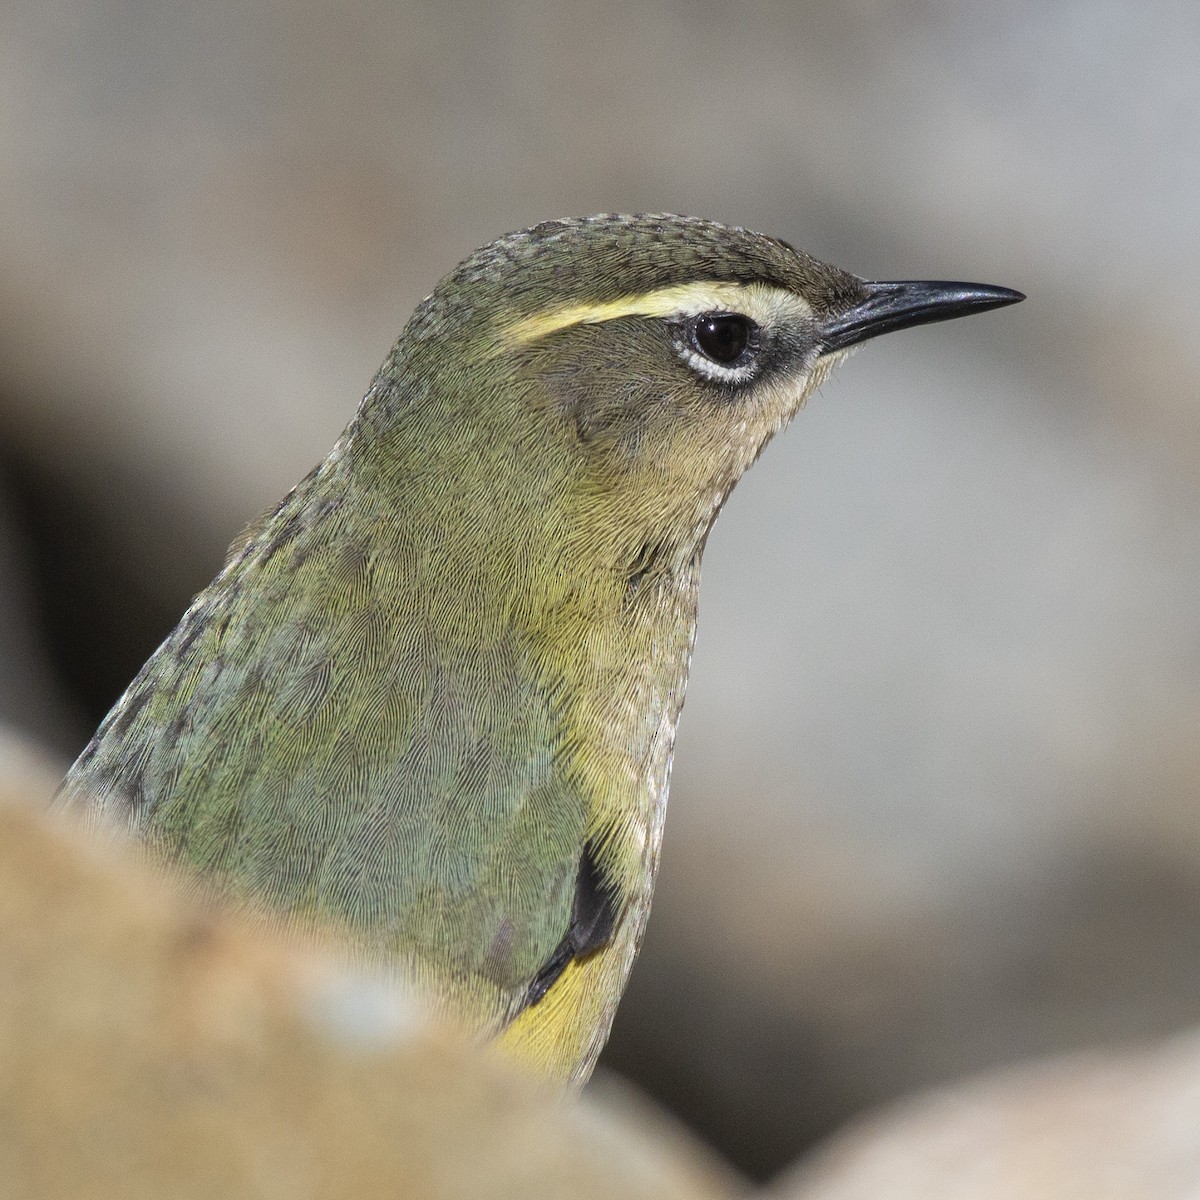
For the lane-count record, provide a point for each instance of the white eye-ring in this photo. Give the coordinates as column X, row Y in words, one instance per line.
column 721, row 346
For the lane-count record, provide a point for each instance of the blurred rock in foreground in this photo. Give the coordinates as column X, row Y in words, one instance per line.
column 149, row 1048
column 1122, row 1126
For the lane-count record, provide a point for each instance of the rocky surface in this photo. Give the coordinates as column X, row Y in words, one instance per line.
column 1122, row 1126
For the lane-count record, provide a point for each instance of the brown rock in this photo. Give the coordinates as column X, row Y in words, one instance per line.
column 1122, row 1126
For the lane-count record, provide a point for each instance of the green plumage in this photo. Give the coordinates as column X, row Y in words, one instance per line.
column 432, row 697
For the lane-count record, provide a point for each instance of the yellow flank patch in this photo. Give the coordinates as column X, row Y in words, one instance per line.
column 763, row 303
column 558, row 1032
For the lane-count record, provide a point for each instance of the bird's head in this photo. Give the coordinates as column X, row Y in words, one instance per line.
column 635, row 366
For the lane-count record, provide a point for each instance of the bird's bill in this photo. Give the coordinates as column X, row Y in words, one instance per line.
column 899, row 304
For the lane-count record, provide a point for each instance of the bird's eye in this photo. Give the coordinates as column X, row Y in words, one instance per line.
column 721, row 347
column 723, row 337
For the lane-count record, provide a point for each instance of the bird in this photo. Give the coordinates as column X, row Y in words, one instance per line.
column 430, row 700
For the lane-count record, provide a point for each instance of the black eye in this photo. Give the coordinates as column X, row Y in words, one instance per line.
column 723, row 337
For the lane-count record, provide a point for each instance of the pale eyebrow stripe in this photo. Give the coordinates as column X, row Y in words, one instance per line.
column 755, row 300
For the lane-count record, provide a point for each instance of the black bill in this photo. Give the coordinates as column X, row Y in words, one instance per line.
column 897, row 305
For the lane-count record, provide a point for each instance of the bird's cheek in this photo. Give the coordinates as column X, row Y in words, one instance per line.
column 602, row 423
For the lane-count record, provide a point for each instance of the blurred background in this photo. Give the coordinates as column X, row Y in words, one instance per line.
column 935, row 802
